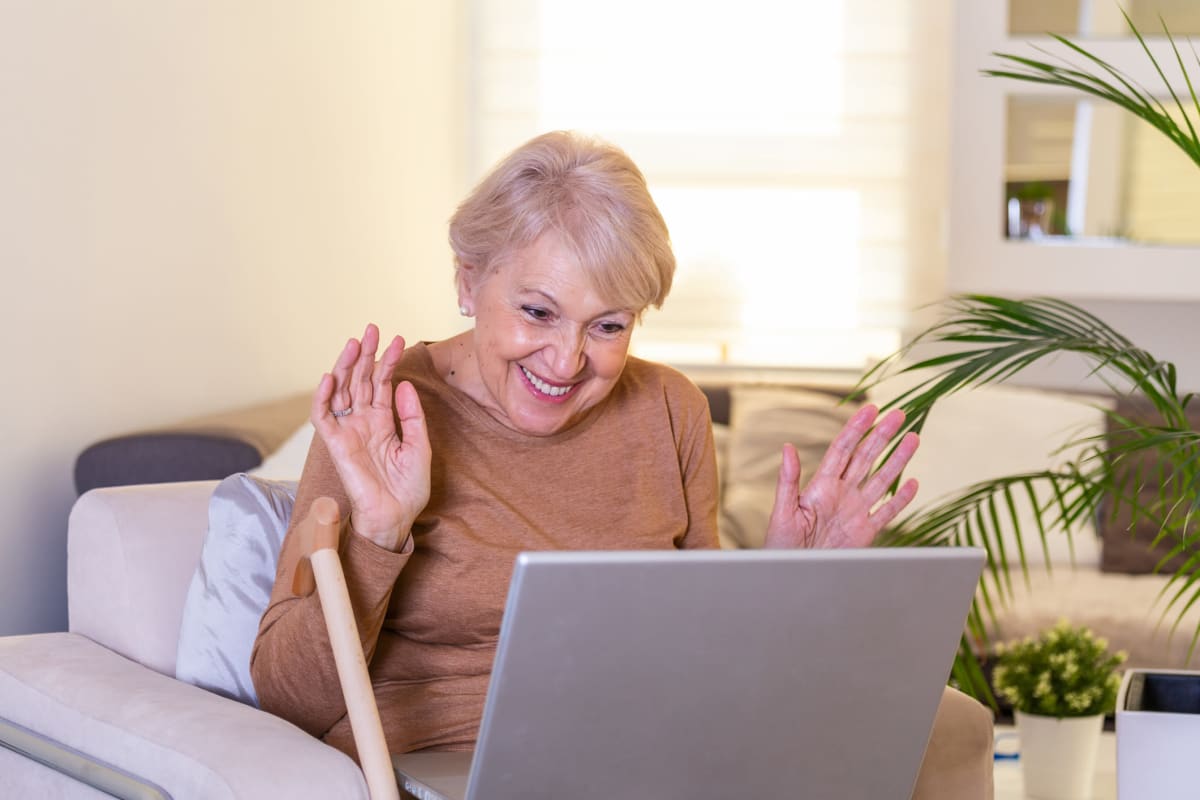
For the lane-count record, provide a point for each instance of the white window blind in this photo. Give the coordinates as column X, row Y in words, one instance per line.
column 774, row 135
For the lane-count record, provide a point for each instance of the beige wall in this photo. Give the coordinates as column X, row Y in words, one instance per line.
column 198, row 203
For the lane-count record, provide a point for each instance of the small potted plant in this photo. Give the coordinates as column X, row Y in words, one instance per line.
column 1060, row 685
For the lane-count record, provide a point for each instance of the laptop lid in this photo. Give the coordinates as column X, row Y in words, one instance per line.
column 717, row 674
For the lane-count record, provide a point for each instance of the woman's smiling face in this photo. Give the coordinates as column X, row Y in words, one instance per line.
column 547, row 348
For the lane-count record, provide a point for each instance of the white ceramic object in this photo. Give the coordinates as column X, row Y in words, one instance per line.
column 1058, row 756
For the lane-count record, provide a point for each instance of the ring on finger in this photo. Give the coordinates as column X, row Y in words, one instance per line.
column 345, row 412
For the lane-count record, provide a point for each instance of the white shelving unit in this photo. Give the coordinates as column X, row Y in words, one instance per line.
column 981, row 258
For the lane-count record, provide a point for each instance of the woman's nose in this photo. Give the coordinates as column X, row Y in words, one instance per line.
column 570, row 354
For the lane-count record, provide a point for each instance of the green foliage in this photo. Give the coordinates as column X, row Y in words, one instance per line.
column 984, row 339
column 1065, row 672
column 1033, row 191
column 1110, row 83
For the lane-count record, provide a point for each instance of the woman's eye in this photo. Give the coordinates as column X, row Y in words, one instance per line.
column 533, row 312
column 611, row 328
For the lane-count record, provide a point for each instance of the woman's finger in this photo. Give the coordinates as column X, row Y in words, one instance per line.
column 384, row 371
column 834, row 462
column 319, row 411
column 787, row 486
column 361, row 389
column 887, row 512
column 890, row 470
column 412, row 417
column 339, row 396
column 870, row 447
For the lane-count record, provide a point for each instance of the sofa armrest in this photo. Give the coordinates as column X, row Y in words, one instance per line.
column 75, row 694
column 203, row 448
column 131, row 553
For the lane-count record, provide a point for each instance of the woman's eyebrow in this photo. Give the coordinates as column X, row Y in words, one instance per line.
column 527, row 290
column 534, row 290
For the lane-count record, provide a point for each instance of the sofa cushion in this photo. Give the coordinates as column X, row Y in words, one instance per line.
column 247, row 520
column 762, row 419
column 1127, row 547
column 992, row 431
column 1135, row 548
column 191, row 743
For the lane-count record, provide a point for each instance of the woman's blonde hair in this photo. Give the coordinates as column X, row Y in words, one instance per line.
column 587, row 192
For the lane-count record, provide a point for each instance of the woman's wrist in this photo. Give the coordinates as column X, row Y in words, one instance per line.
column 389, row 538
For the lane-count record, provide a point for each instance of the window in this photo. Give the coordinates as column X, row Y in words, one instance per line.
column 775, row 136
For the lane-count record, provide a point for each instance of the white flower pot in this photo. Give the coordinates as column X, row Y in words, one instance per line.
column 1058, row 756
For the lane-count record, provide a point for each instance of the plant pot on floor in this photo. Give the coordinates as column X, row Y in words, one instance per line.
column 1058, row 756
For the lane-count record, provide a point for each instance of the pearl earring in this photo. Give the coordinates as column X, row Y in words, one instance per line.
column 464, row 311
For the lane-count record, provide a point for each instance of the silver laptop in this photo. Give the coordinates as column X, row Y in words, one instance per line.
column 713, row 674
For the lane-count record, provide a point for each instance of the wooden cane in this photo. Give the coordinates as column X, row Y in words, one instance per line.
column 320, row 567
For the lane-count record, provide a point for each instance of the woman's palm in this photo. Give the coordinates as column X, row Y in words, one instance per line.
column 381, row 447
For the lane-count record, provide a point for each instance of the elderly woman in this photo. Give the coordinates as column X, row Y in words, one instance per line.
column 532, row 430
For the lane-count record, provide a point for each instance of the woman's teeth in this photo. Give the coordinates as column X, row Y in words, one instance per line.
column 543, row 387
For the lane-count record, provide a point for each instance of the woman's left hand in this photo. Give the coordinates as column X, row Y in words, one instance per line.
column 841, row 505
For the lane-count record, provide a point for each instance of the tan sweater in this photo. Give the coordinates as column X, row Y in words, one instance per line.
column 639, row 472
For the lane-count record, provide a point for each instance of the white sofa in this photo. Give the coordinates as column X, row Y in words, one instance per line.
column 100, row 704
column 101, row 701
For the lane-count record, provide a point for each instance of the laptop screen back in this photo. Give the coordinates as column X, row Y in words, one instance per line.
column 721, row 674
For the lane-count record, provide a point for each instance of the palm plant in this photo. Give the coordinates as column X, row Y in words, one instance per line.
column 1112, row 84
column 987, row 339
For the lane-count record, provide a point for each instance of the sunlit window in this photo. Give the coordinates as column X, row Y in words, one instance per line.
column 670, row 68
column 773, row 136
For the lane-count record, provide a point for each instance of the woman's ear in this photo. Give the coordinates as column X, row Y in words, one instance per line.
column 467, row 280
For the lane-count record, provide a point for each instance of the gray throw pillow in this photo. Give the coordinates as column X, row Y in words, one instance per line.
column 247, row 520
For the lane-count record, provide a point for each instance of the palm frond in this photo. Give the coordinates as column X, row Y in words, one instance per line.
column 1020, row 333
column 1110, row 83
column 984, row 339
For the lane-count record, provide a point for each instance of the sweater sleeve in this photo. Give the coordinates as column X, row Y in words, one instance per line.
column 698, row 465
column 292, row 663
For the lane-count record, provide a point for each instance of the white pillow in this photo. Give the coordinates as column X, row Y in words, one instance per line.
column 287, row 462
column 247, row 520
column 992, row 431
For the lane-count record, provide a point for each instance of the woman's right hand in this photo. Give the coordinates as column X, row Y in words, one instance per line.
column 385, row 472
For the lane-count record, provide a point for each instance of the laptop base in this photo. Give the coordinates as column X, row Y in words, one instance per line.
column 433, row 776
